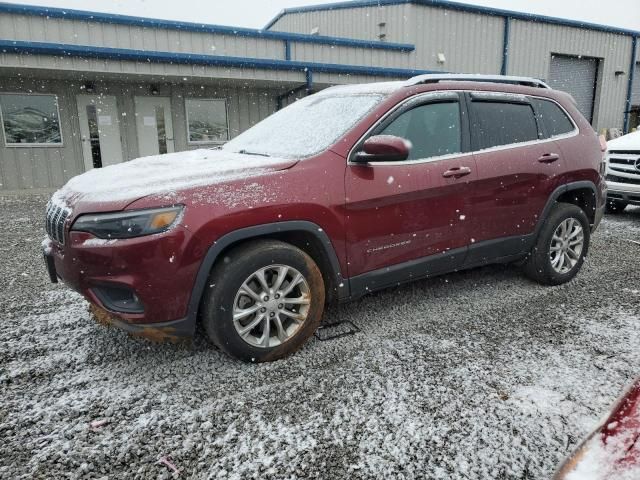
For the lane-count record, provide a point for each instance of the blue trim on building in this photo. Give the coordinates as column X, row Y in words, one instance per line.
column 87, row 51
column 454, row 6
column 111, row 18
column 505, row 46
column 632, row 72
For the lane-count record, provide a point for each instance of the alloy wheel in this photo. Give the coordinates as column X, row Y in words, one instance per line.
column 567, row 244
column 271, row 306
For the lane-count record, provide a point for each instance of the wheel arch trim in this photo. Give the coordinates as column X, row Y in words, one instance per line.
column 558, row 192
column 256, row 232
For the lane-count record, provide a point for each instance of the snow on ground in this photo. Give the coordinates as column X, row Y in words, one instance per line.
column 474, row 375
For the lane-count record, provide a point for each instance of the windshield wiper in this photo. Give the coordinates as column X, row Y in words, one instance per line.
column 247, row 152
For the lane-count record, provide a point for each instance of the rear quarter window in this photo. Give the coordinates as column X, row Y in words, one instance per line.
column 555, row 120
column 501, row 123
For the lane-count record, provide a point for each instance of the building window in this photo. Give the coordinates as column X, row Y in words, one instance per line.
column 30, row 119
column 206, row 120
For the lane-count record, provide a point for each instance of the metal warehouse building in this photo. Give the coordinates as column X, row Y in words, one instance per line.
column 80, row 90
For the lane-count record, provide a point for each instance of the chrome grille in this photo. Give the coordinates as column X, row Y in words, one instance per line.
column 628, row 165
column 55, row 220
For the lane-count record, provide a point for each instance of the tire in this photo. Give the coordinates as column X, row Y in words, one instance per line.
column 279, row 328
column 615, row 206
column 539, row 265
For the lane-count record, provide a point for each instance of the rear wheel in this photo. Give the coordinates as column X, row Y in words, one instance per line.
column 616, row 206
column 265, row 300
column 561, row 246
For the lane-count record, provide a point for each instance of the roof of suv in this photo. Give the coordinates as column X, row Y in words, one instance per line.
column 431, row 82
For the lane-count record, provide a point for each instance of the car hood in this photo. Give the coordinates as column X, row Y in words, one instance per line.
column 114, row 187
column 630, row 141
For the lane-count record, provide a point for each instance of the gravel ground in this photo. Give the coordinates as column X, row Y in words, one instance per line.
column 474, row 375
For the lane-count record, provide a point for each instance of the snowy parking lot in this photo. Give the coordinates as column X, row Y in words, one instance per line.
column 475, row 375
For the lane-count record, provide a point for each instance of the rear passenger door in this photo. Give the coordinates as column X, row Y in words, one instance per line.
column 517, row 170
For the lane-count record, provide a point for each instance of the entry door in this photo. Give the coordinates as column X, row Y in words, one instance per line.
column 413, row 209
column 154, row 126
column 99, row 130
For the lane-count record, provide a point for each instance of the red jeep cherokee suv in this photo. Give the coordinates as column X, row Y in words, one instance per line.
column 347, row 191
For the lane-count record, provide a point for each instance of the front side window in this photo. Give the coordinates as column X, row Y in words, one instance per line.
column 554, row 119
column 433, row 130
column 501, row 123
column 30, row 119
column 206, row 120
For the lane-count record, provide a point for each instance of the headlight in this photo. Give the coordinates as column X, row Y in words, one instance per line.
column 130, row 224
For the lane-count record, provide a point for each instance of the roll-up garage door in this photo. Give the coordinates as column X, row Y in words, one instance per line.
column 576, row 76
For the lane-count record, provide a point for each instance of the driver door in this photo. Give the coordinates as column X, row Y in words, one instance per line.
column 410, row 218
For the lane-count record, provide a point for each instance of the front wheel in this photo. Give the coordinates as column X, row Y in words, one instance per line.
column 561, row 246
column 265, row 299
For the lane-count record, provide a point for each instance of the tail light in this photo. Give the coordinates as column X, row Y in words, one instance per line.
column 603, row 143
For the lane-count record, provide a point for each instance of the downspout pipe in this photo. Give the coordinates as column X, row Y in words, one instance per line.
column 307, row 87
column 505, row 46
column 632, row 72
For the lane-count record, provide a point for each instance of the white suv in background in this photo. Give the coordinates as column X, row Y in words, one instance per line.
column 623, row 172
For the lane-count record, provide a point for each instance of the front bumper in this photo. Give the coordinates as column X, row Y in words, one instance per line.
column 158, row 271
column 171, row 331
column 624, row 192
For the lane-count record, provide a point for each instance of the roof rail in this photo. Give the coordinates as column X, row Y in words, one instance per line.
column 454, row 77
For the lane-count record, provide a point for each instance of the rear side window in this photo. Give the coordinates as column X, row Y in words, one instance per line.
column 499, row 123
column 433, row 129
column 553, row 118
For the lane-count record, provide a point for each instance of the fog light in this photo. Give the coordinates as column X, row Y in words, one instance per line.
column 119, row 298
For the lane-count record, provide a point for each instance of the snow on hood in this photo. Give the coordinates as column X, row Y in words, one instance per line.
column 630, row 141
column 164, row 174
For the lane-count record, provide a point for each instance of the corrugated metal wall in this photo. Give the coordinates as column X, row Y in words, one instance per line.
column 533, row 43
column 85, row 33
column 361, row 22
column 470, row 42
column 78, row 32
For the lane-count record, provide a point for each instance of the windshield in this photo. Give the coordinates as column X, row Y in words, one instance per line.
column 305, row 127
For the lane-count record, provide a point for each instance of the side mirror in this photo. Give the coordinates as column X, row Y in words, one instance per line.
column 383, row 148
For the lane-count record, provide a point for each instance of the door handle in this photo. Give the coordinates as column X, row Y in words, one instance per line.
column 457, row 172
column 549, row 158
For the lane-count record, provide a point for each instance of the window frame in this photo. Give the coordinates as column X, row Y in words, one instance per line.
column 541, row 129
column 542, row 124
column 448, row 96
column 226, row 112
column 32, row 145
column 499, row 97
